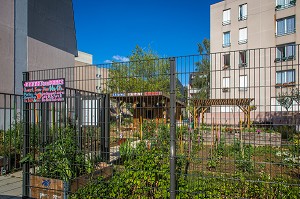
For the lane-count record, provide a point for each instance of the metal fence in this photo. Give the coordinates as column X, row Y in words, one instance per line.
column 11, row 132
column 224, row 125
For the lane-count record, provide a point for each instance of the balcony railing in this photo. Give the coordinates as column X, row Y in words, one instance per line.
column 225, row 90
column 226, row 45
column 227, row 66
column 287, row 84
column 242, row 65
column 243, row 88
column 243, row 41
column 288, row 58
column 242, row 18
column 285, row 33
column 285, row 6
column 224, row 23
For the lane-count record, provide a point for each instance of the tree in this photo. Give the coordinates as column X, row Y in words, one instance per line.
column 144, row 72
column 285, row 99
column 201, row 80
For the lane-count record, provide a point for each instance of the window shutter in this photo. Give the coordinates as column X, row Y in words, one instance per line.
column 243, row 81
column 243, row 34
column 225, row 82
column 245, row 10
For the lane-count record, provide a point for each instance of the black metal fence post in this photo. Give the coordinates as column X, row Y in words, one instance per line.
column 172, row 128
column 26, row 144
column 105, row 128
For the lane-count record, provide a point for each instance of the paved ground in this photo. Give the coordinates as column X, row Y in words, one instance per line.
column 11, row 186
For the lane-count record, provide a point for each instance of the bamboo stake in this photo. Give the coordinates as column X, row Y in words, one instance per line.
column 212, row 137
column 141, row 131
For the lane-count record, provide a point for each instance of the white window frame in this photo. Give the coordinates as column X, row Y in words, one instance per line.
column 226, row 65
column 285, row 57
column 243, row 35
column 245, row 15
column 243, row 82
column 284, row 75
column 285, row 26
column 226, row 82
column 243, row 63
column 226, row 44
column 226, row 17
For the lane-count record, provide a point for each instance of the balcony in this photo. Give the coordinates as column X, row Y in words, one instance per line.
column 285, row 6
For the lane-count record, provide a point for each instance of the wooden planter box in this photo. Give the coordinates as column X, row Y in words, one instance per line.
column 42, row 187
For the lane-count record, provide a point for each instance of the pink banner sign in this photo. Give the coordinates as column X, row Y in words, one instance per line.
column 39, row 91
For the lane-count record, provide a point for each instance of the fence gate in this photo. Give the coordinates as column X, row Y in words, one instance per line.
column 63, row 138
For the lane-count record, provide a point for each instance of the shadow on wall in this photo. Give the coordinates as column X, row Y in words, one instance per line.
column 267, row 119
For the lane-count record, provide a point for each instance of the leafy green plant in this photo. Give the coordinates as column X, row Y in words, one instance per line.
column 149, row 127
column 63, row 160
column 145, row 176
column 126, row 150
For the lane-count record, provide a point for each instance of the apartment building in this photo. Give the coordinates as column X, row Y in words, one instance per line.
column 34, row 35
column 254, row 54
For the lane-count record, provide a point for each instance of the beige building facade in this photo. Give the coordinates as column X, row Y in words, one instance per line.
column 254, row 54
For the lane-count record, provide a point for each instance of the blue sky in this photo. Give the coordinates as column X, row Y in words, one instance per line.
column 110, row 29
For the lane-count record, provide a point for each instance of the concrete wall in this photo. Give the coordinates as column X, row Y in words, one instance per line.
column 6, row 46
column 51, row 41
column 42, row 56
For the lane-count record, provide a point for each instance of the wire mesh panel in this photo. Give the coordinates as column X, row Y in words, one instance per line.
column 11, row 143
column 239, row 131
column 221, row 125
column 66, row 140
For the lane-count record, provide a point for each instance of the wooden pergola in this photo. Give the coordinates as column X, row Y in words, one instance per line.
column 243, row 104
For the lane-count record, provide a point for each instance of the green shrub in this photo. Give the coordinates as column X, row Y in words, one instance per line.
column 63, row 159
column 286, row 131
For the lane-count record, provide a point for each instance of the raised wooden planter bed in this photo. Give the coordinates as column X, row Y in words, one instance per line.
column 42, row 187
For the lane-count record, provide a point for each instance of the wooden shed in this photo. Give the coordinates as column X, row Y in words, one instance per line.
column 149, row 105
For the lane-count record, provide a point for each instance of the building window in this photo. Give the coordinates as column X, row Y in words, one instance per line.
column 283, row 4
column 286, row 52
column 243, row 12
column 243, row 36
column 226, row 59
column 226, row 39
column 285, row 26
column 286, row 77
column 225, row 86
column 226, row 17
column 243, row 82
column 243, row 58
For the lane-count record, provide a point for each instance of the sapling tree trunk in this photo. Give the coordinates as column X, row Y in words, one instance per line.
column 241, row 140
